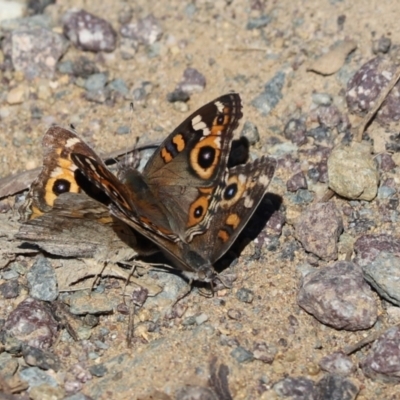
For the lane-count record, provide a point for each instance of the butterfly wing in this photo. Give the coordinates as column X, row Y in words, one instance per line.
column 191, row 162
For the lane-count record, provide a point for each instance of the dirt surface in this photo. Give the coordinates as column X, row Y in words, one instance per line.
column 214, row 40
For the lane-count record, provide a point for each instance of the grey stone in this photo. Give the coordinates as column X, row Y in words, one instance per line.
column 42, row 280
column 383, row 273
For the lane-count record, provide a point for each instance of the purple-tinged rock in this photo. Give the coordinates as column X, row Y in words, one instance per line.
column 10, row 289
column 276, row 222
column 295, row 388
column 329, row 116
column 353, row 172
column 192, row 81
column 296, row 182
column 339, row 296
column 335, row 387
column 89, row 32
column 318, row 229
column 382, row 363
column 337, row 363
column 144, row 31
column 385, row 162
column 383, row 273
column 35, row 51
column 32, row 322
column 295, row 131
column 264, row 353
column 367, row 84
column 368, row 247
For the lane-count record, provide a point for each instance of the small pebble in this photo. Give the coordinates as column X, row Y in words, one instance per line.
column 96, row 82
column 123, row 130
column 98, row 370
column 40, row 358
column 250, row 132
column 382, row 45
column 145, row 31
column 16, row 95
column 192, row 81
column 10, row 290
column 241, row 355
column 296, row 182
column 178, row 95
column 42, row 280
column 200, row 319
column 257, row 23
column 322, row 99
column 352, row 172
column 295, row 131
column 272, row 94
column 335, row 387
column 36, row 377
column 89, row 32
column 295, row 388
column 337, row 363
column 245, row 295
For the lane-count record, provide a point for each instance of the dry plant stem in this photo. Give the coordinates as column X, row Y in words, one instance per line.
column 131, row 325
column 363, row 342
column 378, row 103
column 247, row 49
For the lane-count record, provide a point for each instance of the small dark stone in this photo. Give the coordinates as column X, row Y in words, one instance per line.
column 40, row 358
column 178, row 95
column 272, row 94
column 335, row 387
column 295, row 388
column 295, row 131
column 89, row 32
column 257, row 23
column 42, row 280
column 10, row 289
column 329, row 116
column 241, row 355
column 320, row 133
column 192, row 81
column 91, row 320
column 296, row 182
column 98, row 370
column 250, row 132
column 382, row 45
column 245, row 295
column 385, row 162
column 191, row 392
column 83, row 67
column 38, row 6
column 264, row 353
column 146, row 31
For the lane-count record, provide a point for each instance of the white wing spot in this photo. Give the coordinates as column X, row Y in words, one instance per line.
column 220, row 106
column 248, row 202
column 199, row 125
column 72, row 142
